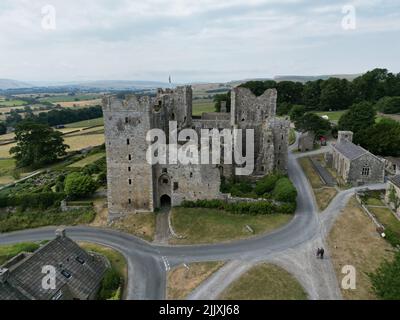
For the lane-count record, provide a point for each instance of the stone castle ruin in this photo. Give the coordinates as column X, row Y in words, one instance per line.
column 134, row 185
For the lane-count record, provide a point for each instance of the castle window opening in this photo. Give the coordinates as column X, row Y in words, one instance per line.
column 127, row 141
column 126, row 120
column 130, row 201
column 176, row 186
column 191, row 174
column 130, row 181
column 165, row 170
column 165, row 181
column 129, row 169
column 365, row 171
column 130, row 157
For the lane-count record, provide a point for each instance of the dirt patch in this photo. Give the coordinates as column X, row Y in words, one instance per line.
column 183, row 280
column 142, row 225
column 354, row 241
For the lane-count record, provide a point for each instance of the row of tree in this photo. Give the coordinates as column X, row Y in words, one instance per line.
column 325, row 95
column 57, row 116
column 380, row 137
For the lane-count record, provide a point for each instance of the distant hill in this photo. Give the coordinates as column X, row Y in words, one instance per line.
column 122, row 84
column 349, row 77
column 13, row 84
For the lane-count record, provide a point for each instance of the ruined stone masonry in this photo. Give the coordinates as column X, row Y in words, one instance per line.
column 134, row 185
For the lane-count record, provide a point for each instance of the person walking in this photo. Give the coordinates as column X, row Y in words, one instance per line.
column 322, row 251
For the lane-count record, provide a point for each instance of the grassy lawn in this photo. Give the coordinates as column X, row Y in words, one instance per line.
column 51, row 217
column 324, row 196
column 116, row 259
column 199, row 225
column 265, row 282
column 86, row 123
column 333, row 115
column 354, row 241
column 200, row 106
column 181, row 280
column 140, row 224
column 387, row 218
column 90, row 159
column 310, row 172
column 9, row 251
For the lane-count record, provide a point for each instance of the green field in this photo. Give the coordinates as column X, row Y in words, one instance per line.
column 12, row 103
column 86, row 123
column 333, row 115
column 67, row 98
column 202, row 105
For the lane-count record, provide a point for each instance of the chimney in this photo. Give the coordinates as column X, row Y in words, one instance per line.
column 60, row 233
column 4, row 273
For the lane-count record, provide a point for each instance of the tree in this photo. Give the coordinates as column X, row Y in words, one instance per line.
column 78, row 185
column 313, row 123
column 297, row 112
column 389, row 105
column 383, row 138
column 3, row 128
column 312, row 94
column 336, row 94
column 360, row 116
column 218, row 98
column 386, row 280
column 37, row 144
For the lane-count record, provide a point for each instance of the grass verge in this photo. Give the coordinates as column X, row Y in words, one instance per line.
column 142, row 225
column 53, row 217
column 354, row 241
column 265, row 282
column 182, row 280
column 200, row 225
column 8, row 252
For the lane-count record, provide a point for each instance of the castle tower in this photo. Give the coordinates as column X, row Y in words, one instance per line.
column 345, row 136
column 129, row 175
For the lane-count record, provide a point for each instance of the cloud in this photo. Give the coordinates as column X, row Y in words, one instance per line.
column 195, row 39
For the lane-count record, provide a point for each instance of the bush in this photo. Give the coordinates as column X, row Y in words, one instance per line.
column 252, row 208
column 389, row 105
column 109, row 285
column 266, row 184
column 33, row 200
column 386, row 280
column 285, row 191
column 79, row 185
column 392, row 237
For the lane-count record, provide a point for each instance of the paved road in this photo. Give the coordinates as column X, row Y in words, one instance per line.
column 292, row 247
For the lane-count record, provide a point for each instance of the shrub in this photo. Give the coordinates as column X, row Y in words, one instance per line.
column 33, row 200
column 392, row 237
column 266, row 184
column 386, row 280
column 285, row 191
column 109, row 285
column 79, row 185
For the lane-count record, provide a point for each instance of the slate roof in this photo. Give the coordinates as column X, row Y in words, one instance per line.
column 349, row 149
column 78, row 273
column 396, row 180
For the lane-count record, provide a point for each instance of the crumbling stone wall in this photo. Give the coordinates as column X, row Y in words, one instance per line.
column 135, row 185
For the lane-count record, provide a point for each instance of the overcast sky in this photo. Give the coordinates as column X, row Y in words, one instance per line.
column 195, row 40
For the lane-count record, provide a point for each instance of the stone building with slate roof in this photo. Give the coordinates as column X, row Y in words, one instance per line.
column 354, row 164
column 78, row 274
column 392, row 196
